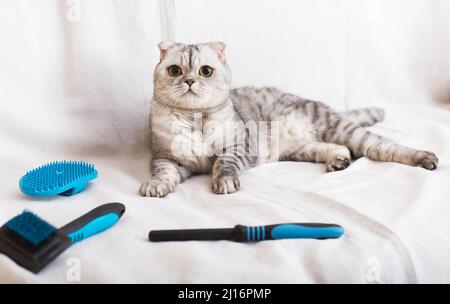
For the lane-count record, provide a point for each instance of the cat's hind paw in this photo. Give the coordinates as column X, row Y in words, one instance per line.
column 427, row 160
column 338, row 163
column 155, row 188
column 225, row 184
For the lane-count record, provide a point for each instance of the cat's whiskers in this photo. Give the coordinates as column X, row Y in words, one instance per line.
column 165, row 98
column 201, row 91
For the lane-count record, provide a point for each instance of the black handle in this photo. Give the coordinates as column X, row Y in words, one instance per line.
column 190, row 235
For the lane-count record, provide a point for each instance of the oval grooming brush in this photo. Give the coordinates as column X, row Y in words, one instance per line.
column 58, row 178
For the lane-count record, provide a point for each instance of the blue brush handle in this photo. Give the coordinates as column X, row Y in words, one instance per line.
column 93, row 222
column 287, row 231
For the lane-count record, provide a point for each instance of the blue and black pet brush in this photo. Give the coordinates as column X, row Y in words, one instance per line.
column 33, row 243
column 247, row 234
column 59, row 177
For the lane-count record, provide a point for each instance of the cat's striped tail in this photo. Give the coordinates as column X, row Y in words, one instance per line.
column 363, row 117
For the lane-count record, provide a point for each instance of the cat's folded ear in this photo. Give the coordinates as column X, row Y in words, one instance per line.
column 219, row 47
column 164, row 46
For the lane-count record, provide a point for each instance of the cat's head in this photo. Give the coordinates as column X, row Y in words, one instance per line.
column 192, row 76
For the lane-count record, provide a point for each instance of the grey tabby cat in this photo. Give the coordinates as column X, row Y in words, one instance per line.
column 195, row 79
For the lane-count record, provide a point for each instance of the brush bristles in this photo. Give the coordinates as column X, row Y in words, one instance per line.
column 31, row 227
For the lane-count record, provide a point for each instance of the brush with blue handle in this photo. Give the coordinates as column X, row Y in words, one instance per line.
column 242, row 233
column 33, row 243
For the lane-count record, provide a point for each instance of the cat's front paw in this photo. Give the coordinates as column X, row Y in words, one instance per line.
column 427, row 160
column 338, row 163
column 155, row 188
column 225, row 184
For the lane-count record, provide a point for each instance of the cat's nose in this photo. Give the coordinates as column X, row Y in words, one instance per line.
column 189, row 82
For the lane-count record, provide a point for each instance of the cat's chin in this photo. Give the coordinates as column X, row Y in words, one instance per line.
column 197, row 105
column 191, row 101
column 190, row 93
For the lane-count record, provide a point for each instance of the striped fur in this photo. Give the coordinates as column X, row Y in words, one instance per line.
column 188, row 126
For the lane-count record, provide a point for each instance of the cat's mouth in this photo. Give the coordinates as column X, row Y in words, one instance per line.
column 188, row 92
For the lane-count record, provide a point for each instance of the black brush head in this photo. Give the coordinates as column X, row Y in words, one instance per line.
column 31, row 242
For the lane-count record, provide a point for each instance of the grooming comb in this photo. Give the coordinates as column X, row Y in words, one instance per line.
column 242, row 233
column 60, row 177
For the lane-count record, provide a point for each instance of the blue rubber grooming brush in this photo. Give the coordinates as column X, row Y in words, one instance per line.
column 33, row 243
column 58, row 178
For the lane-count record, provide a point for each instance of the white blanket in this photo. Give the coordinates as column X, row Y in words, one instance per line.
column 78, row 87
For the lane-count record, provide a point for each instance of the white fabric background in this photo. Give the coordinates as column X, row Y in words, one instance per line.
column 76, row 82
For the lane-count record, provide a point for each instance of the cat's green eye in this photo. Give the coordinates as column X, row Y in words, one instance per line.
column 174, row 71
column 206, row 71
